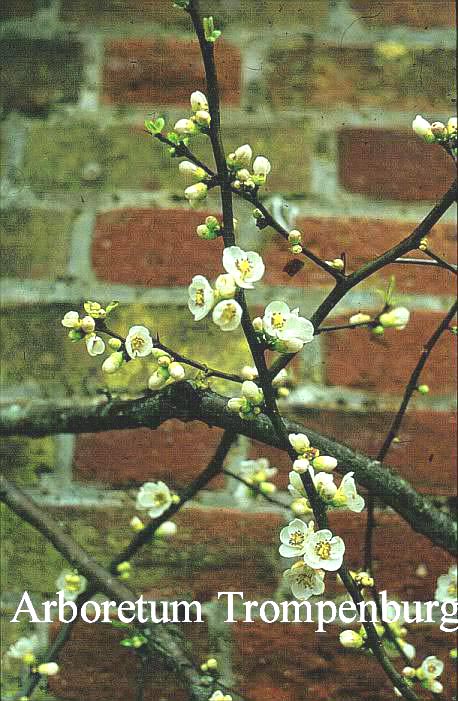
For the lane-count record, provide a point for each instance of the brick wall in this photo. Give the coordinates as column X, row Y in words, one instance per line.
column 92, row 208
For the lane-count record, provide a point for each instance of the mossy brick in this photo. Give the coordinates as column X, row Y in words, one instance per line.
column 83, row 155
column 24, row 460
column 34, row 243
column 32, row 78
column 15, row 9
column 228, row 16
column 422, row 15
column 301, row 73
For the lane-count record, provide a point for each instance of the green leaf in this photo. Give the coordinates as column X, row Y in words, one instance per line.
column 112, row 306
column 155, row 126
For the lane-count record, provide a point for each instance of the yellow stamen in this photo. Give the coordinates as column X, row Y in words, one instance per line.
column 244, row 267
column 323, row 550
column 296, row 538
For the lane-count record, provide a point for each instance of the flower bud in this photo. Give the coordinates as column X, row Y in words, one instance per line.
column 294, row 237
column 359, row 318
column 164, row 360
column 196, row 193
column 71, row 320
column 176, row 371
column 296, row 249
column 351, row 639
column 409, row 672
column 325, row 463
column 242, row 156
column 136, row 524
column 236, row 404
column 48, row 669
column 301, row 465
column 396, row 318
column 225, row 286
column 292, row 345
column 257, row 324
column 115, row 343
column 212, row 663
column 166, row 530
column 300, row 442
column 190, row 170
column 202, row 118
column 198, row 101
column 267, row 488
column 422, row 128
column 301, row 507
column 423, row 389
column 185, row 127
column 439, row 129
column 452, row 126
column 280, row 378
column 113, row 362
column 87, row 324
column 336, row 263
column 261, row 166
column 378, row 330
column 157, row 380
column 249, row 373
column 252, row 392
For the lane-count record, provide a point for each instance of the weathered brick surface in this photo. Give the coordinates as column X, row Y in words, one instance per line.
column 32, row 79
column 175, row 453
column 425, row 454
column 27, row 236
column 292, row 663
column 159, row 72
column 304, row 72
column 389, row 164
column 357, row 358
column 12, row 9
column 362, row 239
column 422, row 15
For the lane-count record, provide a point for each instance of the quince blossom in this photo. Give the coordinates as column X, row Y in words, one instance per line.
column 198, row 101
column 396, row 318
column 71, row 583
column 71, row 320
column 201, row 297
column 446, row 589
column 351, row 639
column 24, row 649
column 346, row 496
column 155, row 498
column 227, row 314
column 257, row 473
column 294, row 537
column 323, row 550
column 246, row 267
column 290, row 330
column 304, row 580
column 94, row 344
column 139, row 343
column 225, row 286
column 196, row 193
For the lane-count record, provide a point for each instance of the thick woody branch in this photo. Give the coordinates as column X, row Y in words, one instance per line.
column 183, row 401
column 163, row 641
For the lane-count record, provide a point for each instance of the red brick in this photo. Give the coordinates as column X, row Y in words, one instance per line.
column 397, row 553
column 424, row 14
column 94, row 667
column 425, row 454
column 362, row 240
column 389, row 164
column 359, row 359
column 165, row 71
column 290, row 662
column 153, row 247
column 175, row 453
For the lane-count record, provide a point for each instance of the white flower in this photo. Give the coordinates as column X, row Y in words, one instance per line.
column 49, row 669
column 185, row 127
column 249, row 372
column 294, row 537
column 325, row 463
column 227, row 314
column 235, row 404
column 71, row 320
column 243, row 155
column 452, row 126
column 295, row 486
column 324, row 550
column 71, row 584
column 94, row 344
column 408, row 649
column 176, row 371
column 158, row 379
column 324, row 484
column 219, row 696
column 446, row 589
column 301, row 465
column 304, row 581
column 261, row 166
column 431, row 667
column 435, row 686
column 87, row 324
column 359, row 318
column 350, row 639
column 421, row 126
column 190, row 170
column 198, row 101
column 139, row 343
column 113, row 362
column 24, row 647
column 252, row 392
column 246, row 267
column 347, row 497
column 396, row 318
column 287, row 326
column 257, row 471
column 225, row 286
column 300, row 442
column 201, row 297
column 155, row 498
column 196, row 193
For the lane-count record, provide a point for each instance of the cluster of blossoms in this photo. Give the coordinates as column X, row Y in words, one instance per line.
column 86, row 326
column 155, row 498
column 447, row 586
column 392, row 318
column 358, row 640
column 239, row 164
column 168, row 370
column 258, row 474
column 243, row 268
column 437, row 132
column 309, row 459
column 248, row 406
column 72, row 584
column 249, row 372
column 427, row 674
column 26, row 650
